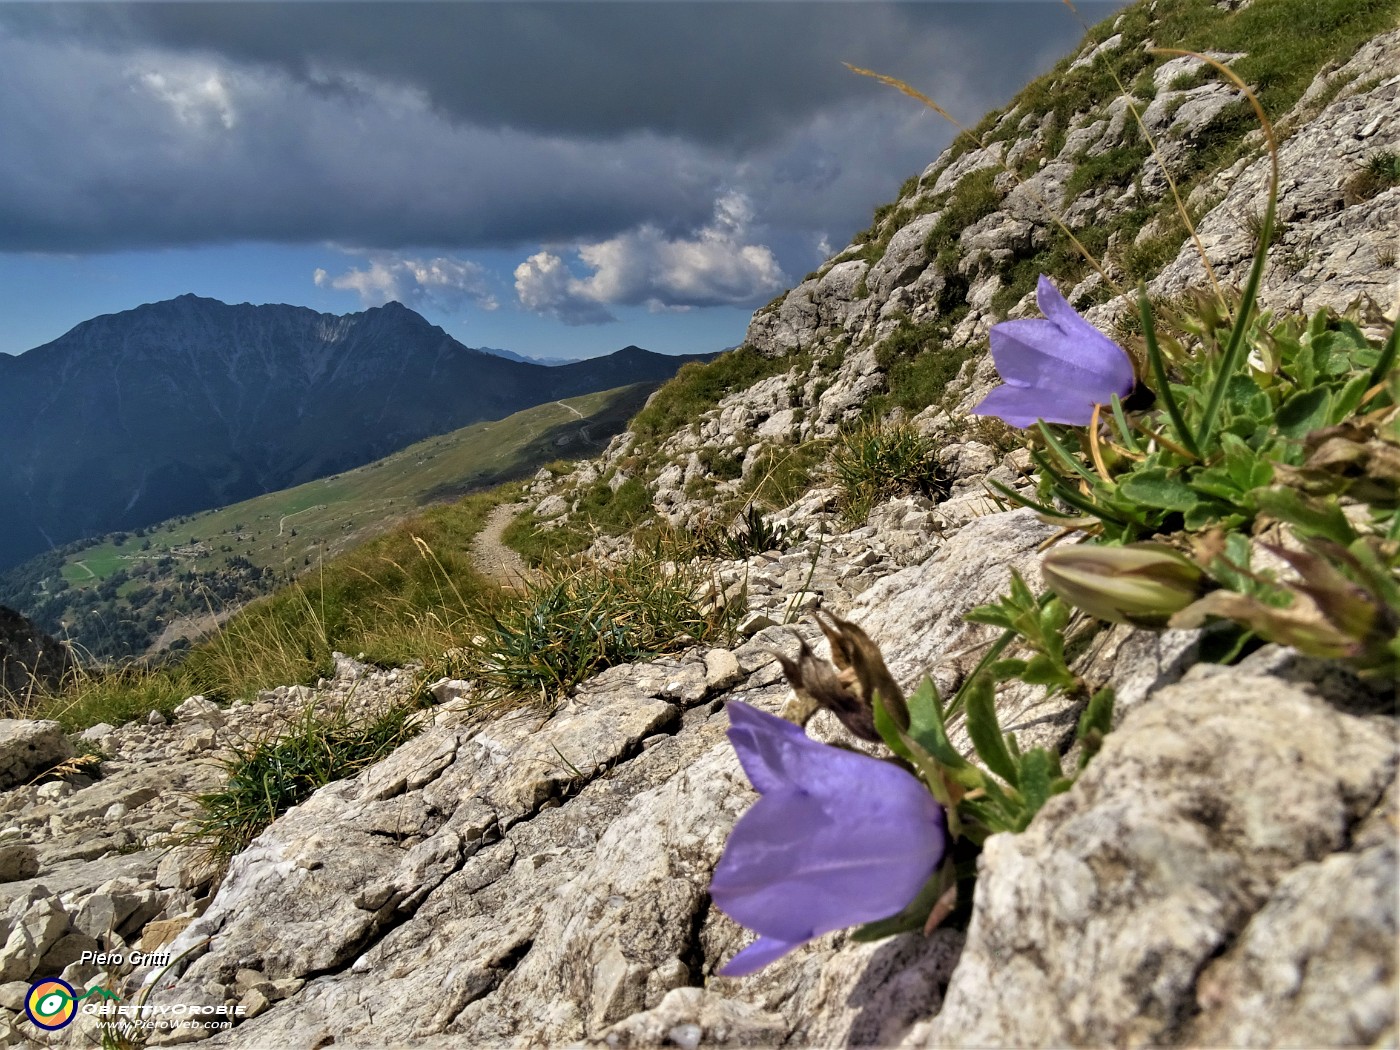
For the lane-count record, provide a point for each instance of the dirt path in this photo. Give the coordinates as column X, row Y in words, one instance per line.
column 571, row 408
column 492, row 557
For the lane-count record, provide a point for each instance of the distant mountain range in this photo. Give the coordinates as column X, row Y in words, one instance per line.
column 179, row 406
column 548, row 362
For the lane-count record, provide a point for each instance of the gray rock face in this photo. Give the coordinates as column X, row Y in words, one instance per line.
column 28, row 748
column 1223, row 869
column 1193, row 834
column 29, row 659
column 86, row 866
column 541, row 881
column 1333, row 249
column 904, row 259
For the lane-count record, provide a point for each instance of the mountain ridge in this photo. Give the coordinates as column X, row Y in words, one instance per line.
column 190, row 403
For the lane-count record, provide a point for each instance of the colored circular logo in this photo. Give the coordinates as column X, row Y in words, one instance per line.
column 51, row 1003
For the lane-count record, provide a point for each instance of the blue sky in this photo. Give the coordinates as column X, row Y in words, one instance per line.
column 558, row 179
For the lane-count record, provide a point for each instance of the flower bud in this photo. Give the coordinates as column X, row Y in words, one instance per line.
column 1142, row 583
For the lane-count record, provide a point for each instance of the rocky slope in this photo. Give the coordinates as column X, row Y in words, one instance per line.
column 1224, row 872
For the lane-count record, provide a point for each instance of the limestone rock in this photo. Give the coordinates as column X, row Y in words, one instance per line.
column 28, row 748
column 1214, row 799
column 18, row 861
column 29, row 659
column 904, row 258
column 693, row 1017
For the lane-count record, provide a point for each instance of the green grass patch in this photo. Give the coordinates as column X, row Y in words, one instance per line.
column 1380, row 172
column 269, row 777
column 116, row 696
column 782, row 473
column 577, row 620
column 879, row 461
column 601, row 510
column 399, row 596
column 973, row 199
column 1114, row 167
column 918, row 365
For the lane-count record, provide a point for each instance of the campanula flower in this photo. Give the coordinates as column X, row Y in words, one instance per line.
column 836, row 839
column 1056, row 369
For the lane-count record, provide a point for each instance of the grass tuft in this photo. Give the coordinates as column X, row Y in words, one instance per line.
column 575, row 621
column 879, row 461
column 1380, row 173
column 269, row 777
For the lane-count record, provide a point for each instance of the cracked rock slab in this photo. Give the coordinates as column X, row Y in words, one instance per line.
column 1199, row 830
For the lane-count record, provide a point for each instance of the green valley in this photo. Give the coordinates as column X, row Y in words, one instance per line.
column 153, row 588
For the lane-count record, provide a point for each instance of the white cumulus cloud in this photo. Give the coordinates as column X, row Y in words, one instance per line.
column 444, row 282
column 716, row 266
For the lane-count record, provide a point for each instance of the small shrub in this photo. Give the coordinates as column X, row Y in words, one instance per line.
column 754, row 534
column 879, row 461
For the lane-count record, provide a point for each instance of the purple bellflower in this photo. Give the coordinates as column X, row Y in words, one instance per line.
column 836, row 839
column 1056, row 369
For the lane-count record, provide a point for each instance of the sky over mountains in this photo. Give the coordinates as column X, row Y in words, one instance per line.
column 556, row 178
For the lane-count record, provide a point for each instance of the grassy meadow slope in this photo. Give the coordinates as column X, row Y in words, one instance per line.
column 115, row 595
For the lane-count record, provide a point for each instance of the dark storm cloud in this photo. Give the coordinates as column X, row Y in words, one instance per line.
column 716, row 72
column 475, row 125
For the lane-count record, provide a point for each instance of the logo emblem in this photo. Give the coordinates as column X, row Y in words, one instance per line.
column 51, row 1004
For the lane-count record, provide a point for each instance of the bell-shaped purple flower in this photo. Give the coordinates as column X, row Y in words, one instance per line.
column 837, row 839
column 1056, row 369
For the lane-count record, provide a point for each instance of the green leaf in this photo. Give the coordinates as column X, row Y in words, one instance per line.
column 1217, row 482
column 1035, row 781
column 995, row 615
column 1021, row 501
column 1159, row 374
column 1094, row 724
column 927, row 729
column 1098, row 713
column 1155, row 487
column 1304, row 411
column 1046, row 671
column 1004, row 669
column 985, row 731
column 1247, row 469
column 1348, row 399
column 1069, row 459
column 1311, row 517
column 1212, row 512
column 1062, row 488
column 889, row 730
column 1125, row 432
